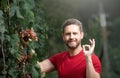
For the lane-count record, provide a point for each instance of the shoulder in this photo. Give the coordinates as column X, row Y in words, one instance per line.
column 95, row 57
column 57, row 58
column 59, row 54
column 96, row 60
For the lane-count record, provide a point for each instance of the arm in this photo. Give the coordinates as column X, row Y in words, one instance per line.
column 46, row 66
column 90, row 70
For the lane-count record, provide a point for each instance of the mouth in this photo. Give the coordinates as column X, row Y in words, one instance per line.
column 72, row 40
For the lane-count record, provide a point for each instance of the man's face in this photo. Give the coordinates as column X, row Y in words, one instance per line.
column 72, row 36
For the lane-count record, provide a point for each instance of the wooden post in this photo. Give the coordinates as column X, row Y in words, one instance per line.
column 104, row 40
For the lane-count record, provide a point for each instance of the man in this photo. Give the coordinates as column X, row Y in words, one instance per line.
column 77, row 61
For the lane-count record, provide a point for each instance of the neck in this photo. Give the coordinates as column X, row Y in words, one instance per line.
column 73, row 52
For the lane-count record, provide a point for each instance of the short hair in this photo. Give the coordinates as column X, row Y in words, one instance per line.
column 72, row 21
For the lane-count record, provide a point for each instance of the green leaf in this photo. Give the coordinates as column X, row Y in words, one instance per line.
column 13, row 73
column 37, row 67
column 1, row 14
column 15, row 53
column 31, row 17
column 7, row 37
column 13, row 8
column 29, row 4
column 18, row 13
column 35, row 73
column 14, row 39
column 2, row 28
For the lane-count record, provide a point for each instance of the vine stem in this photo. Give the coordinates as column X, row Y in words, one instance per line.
column 2, row 41
column 8, row 11
column 3, row 54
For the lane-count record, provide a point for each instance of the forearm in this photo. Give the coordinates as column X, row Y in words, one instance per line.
column 46, row 66
column 90, row 70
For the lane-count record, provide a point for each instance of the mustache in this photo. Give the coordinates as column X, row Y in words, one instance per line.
column 70, row 40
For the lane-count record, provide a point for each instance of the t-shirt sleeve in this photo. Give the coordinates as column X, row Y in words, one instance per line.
column 53, row 59
column 96, row 63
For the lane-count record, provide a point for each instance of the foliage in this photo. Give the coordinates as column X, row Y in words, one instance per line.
column 114, row 46
column 19, row 15
column 94, row 31
column 18, row 59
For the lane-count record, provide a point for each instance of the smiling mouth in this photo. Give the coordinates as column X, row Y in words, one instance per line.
column 71, row 41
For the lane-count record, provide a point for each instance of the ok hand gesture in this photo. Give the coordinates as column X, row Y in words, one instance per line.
column 88, row 49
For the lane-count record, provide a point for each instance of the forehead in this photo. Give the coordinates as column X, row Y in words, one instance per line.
column 72, row 28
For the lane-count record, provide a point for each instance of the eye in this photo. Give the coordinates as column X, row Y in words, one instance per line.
column 67, row 33
column 75, row 33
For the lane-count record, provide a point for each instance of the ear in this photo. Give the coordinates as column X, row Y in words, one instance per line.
column 82, row 35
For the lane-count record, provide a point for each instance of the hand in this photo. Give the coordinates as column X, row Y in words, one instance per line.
column 88, row 49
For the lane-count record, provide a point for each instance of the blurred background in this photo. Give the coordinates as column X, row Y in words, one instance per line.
column 100, row 18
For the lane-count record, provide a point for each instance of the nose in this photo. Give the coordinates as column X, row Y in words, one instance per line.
column 71, row 36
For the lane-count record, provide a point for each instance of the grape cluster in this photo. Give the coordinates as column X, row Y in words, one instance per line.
column 28, row 35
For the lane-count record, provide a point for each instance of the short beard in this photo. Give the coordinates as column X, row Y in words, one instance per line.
column 72, row 47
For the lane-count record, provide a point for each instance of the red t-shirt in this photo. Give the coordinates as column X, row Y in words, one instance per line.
column 73, row 66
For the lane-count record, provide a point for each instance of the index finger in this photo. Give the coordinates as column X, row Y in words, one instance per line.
column 92, row 42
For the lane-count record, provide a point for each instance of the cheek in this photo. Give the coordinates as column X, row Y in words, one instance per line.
column 65, row 38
